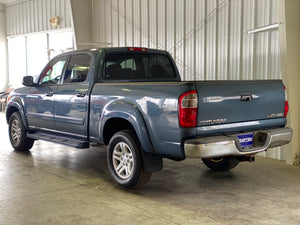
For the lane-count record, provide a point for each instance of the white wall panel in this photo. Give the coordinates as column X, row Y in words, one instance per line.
column 137, row 34
column 3, row 48
column 33, row 16
column 211, row 21
column 189, row 42
column 222, row 41
column 170, row 24
column 200, row 42
column 235, row 47
column 208, row 39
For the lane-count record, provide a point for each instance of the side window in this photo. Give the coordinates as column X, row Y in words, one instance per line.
column 53, row 71
column 78, row 68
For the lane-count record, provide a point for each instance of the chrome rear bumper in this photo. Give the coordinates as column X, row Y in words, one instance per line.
column 219, row 146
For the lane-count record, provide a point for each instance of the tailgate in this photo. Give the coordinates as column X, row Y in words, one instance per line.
column 224, row 102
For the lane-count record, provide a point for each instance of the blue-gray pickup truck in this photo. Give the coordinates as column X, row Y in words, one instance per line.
column 133, row 101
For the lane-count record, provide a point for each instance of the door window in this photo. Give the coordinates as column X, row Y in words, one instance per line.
column 53, row 71
column 78, row 68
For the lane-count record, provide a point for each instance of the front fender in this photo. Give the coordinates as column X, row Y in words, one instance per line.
column 131, row 113
column 16, row 104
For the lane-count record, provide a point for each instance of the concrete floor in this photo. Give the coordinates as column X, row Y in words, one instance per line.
column 60, row 185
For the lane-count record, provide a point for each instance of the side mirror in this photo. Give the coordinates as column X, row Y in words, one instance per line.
column 28, row 81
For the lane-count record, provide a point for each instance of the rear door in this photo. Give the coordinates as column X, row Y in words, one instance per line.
column 71, row 97
column 40, row 102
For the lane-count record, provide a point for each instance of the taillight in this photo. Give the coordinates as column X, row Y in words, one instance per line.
column 286, row 103
column 188, row 109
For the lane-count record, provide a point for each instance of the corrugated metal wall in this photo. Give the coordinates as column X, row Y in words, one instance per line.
column 33, row 16
column 208, row 38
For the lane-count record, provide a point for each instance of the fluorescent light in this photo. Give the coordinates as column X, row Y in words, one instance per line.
column 264, row 28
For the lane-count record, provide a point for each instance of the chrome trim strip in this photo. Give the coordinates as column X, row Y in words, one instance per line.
column 66, row 119
column 40, row 116
column 227, row 126
column 250, row 125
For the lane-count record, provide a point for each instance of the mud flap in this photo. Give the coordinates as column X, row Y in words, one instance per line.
column 152, row 162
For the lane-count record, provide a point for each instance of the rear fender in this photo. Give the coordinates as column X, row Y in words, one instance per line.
column 130, row 113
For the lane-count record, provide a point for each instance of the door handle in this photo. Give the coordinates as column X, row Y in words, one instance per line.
column 49, row 94
column 80, row 95
column 246, row 97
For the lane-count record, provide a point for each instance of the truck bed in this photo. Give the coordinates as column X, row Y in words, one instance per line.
column 221, row 108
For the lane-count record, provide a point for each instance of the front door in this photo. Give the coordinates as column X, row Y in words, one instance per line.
column 71, row 97
column 40, row 101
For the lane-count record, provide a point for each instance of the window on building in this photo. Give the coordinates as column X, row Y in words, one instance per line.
column 60, row 42
column 16, row 60
column 36, row 53
column 29, row 54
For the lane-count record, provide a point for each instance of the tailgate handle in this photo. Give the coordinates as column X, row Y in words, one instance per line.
column 246, row 97
column 80, row 95
column 49, row 94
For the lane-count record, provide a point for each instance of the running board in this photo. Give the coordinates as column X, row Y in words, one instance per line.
column 69, row 141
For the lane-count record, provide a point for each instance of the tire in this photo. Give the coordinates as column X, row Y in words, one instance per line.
column 125, row 162
column 221, row 164
column 17, row 133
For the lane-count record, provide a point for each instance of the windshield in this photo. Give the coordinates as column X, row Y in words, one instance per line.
column 138, row 66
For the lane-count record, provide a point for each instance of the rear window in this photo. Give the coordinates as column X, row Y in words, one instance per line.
column 138, row 66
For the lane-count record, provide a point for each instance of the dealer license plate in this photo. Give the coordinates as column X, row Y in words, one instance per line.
column 246, row 139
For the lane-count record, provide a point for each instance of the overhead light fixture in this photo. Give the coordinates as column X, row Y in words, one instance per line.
column 54, row 21
column 264, row 28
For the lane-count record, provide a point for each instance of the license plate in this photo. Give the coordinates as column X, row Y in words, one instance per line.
column 246, row 139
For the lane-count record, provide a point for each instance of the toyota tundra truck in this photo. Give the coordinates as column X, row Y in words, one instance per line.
column 133, row 101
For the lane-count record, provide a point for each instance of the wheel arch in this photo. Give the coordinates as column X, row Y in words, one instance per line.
column 114, row 125
column 15, row 105
column 123, row 121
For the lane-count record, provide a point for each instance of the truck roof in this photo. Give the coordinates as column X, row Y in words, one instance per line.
column 133, row 49
column 120, row 50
